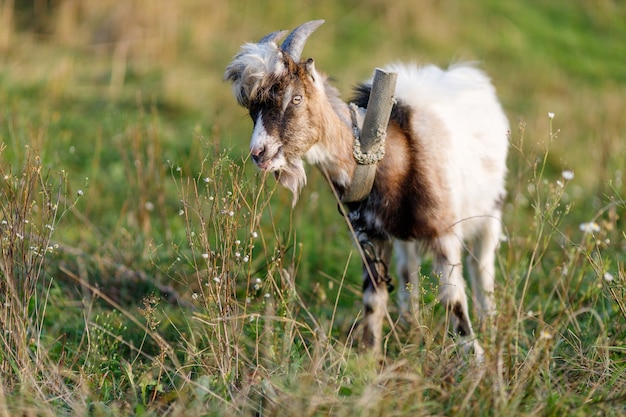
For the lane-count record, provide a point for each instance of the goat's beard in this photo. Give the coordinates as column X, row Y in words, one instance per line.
column 293, row 177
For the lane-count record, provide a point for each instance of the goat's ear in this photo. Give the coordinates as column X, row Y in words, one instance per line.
column 310, row 69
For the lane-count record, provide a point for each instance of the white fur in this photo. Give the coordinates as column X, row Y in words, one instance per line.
column 320, row 157
column 249, row 70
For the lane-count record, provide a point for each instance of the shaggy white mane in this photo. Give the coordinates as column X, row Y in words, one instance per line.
column 253, row 69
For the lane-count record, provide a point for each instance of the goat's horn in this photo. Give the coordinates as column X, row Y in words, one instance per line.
column 294, row 44
column 273, row 37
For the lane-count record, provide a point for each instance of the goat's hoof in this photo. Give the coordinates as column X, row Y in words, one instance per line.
column 471, row 347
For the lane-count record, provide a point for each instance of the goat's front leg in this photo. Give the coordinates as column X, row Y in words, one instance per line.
column 376, row 283
column 408, row 269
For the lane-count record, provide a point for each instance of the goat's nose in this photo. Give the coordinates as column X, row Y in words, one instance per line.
column 257, row 153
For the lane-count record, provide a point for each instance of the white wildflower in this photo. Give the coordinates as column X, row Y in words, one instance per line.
column 246, row 258
column 567, row 175
column 545, row 335
column 217, row 279
column 254, row 235
column 589, row 227
column 551, row 115
column 181, row 212
column 80, row 193
column 608, row 277
column 267, row 295
column 205, row 255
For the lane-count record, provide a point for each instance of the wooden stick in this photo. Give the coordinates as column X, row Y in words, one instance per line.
column 374, row 131
column 378, row 109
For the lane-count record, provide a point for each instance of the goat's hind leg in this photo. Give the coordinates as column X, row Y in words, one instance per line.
column 452, row 291
column 375, row 291
column 481, row 265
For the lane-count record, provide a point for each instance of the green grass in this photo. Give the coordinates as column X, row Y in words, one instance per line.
column 148, row 269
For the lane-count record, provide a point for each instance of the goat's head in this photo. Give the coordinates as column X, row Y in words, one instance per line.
column 283, row 96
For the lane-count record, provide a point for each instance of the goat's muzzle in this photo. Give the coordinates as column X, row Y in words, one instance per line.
column 266, row 161
column 257, row 154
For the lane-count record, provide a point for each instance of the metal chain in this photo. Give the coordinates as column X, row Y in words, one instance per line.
column 370, row 254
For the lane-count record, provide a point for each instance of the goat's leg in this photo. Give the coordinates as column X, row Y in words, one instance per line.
column 375, row 291
column 481, row 265
column 408, row 265
column 452, row 291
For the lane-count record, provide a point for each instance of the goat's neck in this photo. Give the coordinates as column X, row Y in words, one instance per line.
column 332, row 154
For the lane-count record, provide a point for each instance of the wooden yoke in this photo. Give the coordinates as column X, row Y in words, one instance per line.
column 369, row 140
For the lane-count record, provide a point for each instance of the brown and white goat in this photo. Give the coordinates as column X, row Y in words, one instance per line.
column 440, row 185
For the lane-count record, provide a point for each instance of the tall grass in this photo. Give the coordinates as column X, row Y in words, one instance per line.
column 32, row 203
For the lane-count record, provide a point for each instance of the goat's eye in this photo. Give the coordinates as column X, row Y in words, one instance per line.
column 297, row 99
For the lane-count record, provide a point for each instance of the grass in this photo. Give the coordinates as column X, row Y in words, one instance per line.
column 148, row 269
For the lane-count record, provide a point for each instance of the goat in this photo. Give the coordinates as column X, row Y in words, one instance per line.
column 440, row 185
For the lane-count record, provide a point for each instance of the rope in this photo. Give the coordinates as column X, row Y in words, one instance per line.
column 377, row 152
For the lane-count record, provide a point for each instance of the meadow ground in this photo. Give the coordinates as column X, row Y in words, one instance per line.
column 148, row 269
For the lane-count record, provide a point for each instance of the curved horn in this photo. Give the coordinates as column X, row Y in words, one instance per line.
column 273, row 37
column 294, row 44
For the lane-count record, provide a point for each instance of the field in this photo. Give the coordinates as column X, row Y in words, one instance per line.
column 148, row 269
